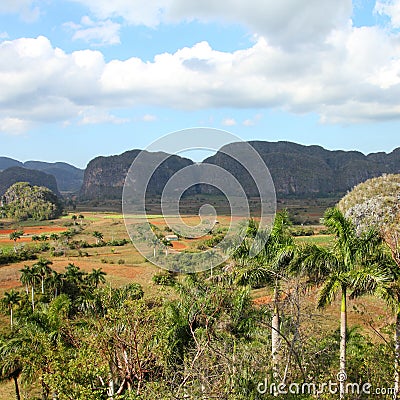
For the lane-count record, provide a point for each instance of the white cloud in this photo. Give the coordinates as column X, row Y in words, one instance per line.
column 391, row 9
column 283, row 22
column 27, row 9
column 137, row 12
column 149, row 118
column 353, row 77
column 252, row 121
column 92, row 116
column 4, row 35
column 14, row 126
column 98, row 33
column 229, row 122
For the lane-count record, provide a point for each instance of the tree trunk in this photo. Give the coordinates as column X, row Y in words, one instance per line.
column 17, row 395
column 397, row 357
column 275, row 339
column 343, row 327
column 11, row 317
column 33, row 297
column 42, row 284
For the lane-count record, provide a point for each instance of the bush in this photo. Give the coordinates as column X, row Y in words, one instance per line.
column 302, row 232
column 163, row 279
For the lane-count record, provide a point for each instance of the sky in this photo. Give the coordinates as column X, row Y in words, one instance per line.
column 82, row 78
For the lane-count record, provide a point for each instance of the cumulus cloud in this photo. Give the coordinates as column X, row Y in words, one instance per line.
column 229, row 122
column 27, row 9
column 252, row 121
column 14, row 126
column 149, row 118
column 391, row 9
column 353, row 77
column 284, row 22
column 98, row 33
column 91, row 116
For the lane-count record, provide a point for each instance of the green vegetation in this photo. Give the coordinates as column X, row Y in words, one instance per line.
column 22, row 201
column 73, row 330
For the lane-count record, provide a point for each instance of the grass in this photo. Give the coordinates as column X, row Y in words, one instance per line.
column 320, row 240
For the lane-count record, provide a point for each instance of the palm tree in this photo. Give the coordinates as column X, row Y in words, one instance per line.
column 382, row 280
column 270, row 267
column 55, row 281
column 81, row 217
column 9, row 300
column 15, row 236
column 74, row 218
column 98, row 235
column 10, row 365
column 25, row 277
column 334, row 267
column 73, row 274
column 43, row 270
column 29, row 277
column 96, row 277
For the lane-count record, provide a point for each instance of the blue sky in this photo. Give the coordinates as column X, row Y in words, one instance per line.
column 82, row 78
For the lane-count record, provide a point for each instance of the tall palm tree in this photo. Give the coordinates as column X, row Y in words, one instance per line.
column 96, row 277
column 29, row 277
column 334, row 267
column 43, row 270
column 9, row 300
column 269, row 268
column 25, row 277
column 81, row 217
column 55, row 281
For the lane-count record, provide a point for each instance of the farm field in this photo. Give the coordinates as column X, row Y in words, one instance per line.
column 124, row 265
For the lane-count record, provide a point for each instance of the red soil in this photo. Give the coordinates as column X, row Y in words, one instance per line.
column 178, row 245
column 35, row 230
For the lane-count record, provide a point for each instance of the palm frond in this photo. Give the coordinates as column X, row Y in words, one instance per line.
column 328, row 291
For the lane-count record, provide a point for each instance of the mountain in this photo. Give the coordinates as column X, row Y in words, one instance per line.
column 297, row 170
column 6, row 162
column 35, row 178
column 303, row 171
column 68, row 177
column 105, row 176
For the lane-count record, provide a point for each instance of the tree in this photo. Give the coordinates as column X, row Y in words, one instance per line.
column 10, row 365
column 270, row 267
column 98, row 235
column 15, row 236
column 74, row 218
column 96, row 277
column 43, row 270
column 81, row 217
column 29, row 277
column 9, row 300
column 334, row 267
column 55, row 281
